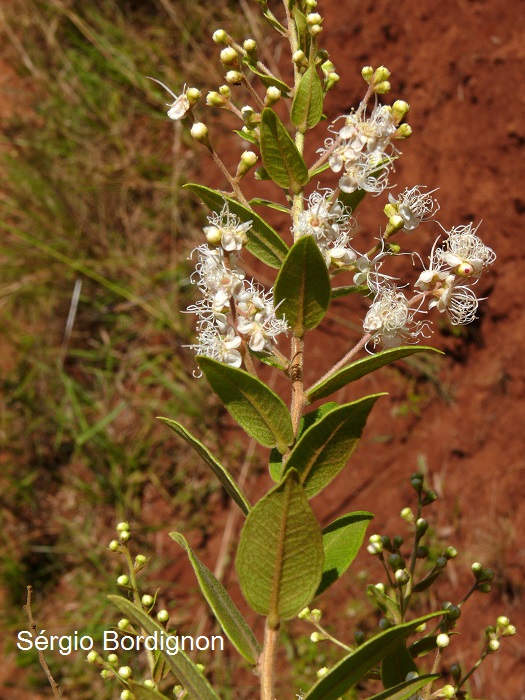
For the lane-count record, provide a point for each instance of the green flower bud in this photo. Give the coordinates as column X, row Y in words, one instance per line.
column 422, row 627
column 273, row 95
column 400, row 109
column 503, row 621
column 123, row 580
column 450, row 553
column 490, row 632
column 124, row 536
column 456, row 672
column 315, row 29
column 422, row 552
column 126, row 695
column 398, row 541
column 147, row 600
column 429, row 498
column 234, row 77
column 395, row 223
column 213, row 99
column 421, row 526
column 112, row 659
column 454, row 612
column 150, row 684
column 384, row 624
column 442, row 641
column 448, row 692
column 327, row 67
column 125, row 672
column 225, row 91
column 402, row 577
column 122, row 527
column 331, row 80
column 380, row 587
column 486, row 575
column 199, row 132
column 106, row 674
column 380, row 75
column 316, row 615
column 441, row 562
column 304, row 614
column 317, row 637
column 403, row 132
column 396, row 561
column 416, row 481
column 382, row 88
column 140, row 560
column 509, row 631
column 114, row 545
column 477, row 569
column 193, row 95
column 177, row 689
column 322, row 672
column 385, row 541
column 220, row 37
column 123, row 624
column 485, row 588
column 368, row 73
column 93, row 657
column 229, row 56
column 163, row 616
column 311, row 4
column 298, row 57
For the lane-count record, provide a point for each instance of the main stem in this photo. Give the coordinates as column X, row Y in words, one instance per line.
column 267, row 662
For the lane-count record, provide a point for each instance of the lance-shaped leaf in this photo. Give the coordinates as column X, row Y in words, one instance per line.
column 358, row 369
column 227, row 614
column 302, row 289
column 283, row 162
column 406, row 690
column 266, row 80
column 280, row 556
column 386, row 604
column 350, row 289
column 342, row 540
column 263, row 241
column 255, row 407
column 396, row 666
column 353, row 667
column 307, row 107
column 217, row 468
column 179, row 663
column 324, row 449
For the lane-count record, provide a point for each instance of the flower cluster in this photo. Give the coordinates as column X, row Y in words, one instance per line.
column 331, row 224
column 362, row 149
column 234, row 311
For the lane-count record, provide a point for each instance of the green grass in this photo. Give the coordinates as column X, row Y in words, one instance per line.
column 90, row 201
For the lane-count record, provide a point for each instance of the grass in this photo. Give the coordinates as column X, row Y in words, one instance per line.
column 93, row 269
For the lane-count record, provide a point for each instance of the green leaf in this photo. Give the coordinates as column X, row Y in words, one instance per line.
column 342, row 540
column 280, row 555
column 267, row 80
column 303, row 33
column 227, row 614
column 406, row 690
column 280, row 156
column 263, row 241
column 358, row 369
column 385, row 604
column 307, row 107
column 257, row 201
column 142, row 692
column 423, row 646
column 217, row 468
column 302, row 289
column 351, row 289
column 247, row 136
column 324, row 449
column 255, row 407
column 396, row 666
column 352, row 199
column 427, row 581
column 275, row 465
column 180, row 664
column 261, row 174
column 353, row 667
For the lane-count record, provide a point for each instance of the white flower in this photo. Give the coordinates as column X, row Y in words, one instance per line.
column 257, row 318
column 390, row 320
column 415, row 206
column 213, row 276
column 227, row 230
column 221, row 347
column 465, row 252
column 456, row 300
column 181, row 105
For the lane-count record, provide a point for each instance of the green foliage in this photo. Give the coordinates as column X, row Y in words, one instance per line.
column 307, row 107
column 302, row 288
column 280, row 555
column 281, row 159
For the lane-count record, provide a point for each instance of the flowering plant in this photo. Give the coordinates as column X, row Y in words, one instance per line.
column 285, row 559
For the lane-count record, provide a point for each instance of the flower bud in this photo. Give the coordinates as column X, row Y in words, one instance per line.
column 106, row 674
column 380, row 75
column 304, row 614
column 315, row 29
column 199, row 132
column 313, row 18
column 384, row 624
column 374, row 548
column 477, row 569
column 368, row 73
column 402, row 577
column 359, row 637
column 509, row 631
column 126, row 695
column 125, row 672
column 490, row 632
column 147, row 600
column 311, row 4
column 448, row 692
column 382, row 88
column 123, row 624
column 441, row 562
column 485, row 588
column 163, row 616
column 403, row 132
column 123, row 580
column 316, row 615
column 421, row 628
column 331, row 80
column 395, row 223
column 140, row 561
column 234, row 77
column 93, row 657
column 148, row 683
column 229, row 56
column 193, row 95
column 248, row 160
column 411, row 675
column 454, row 612
column 322, row 672
column 421, row 526
column 442, row 641
column 503, row 621
column 429, row 498
column 124, row 536
column 114, row 545
column 416, row 481
column 220, row 37
column 396, row 561
column 380, row 587
column 450, row 553
column 122, row 527
column 400, row 109
column 422, row 552
column 112, row 659
column 390, row 210
column 317, row 637
column 273, row 95
column 225, row 91
column 456, row 672
column 398, row 542
column 493, row 646
column 327, row 67
column 486, row 575
column 250, row 46
column 298, row 57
